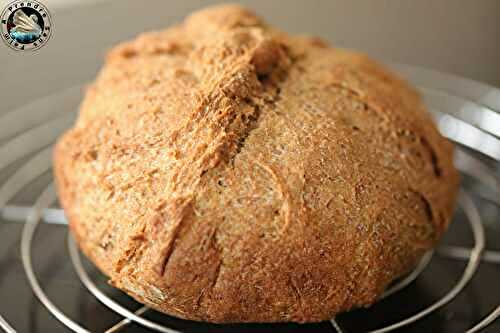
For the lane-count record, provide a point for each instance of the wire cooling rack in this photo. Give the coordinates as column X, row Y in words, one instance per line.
column 466, row 112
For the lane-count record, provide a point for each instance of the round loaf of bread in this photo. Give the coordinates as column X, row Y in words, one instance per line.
column 224, row 171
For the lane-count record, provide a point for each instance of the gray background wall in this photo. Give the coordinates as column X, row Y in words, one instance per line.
column 456, row 36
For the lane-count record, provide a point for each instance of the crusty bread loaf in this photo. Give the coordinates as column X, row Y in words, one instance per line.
column 224, row 171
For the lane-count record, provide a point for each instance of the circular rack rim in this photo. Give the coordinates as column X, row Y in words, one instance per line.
column 444, row 90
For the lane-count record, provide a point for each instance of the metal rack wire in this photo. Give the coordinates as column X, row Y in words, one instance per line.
column 467, row 112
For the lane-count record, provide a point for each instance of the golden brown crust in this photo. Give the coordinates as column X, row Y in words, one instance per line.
column 223, row 171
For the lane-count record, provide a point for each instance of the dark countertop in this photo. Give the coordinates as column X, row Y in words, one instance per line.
column 58, row 278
